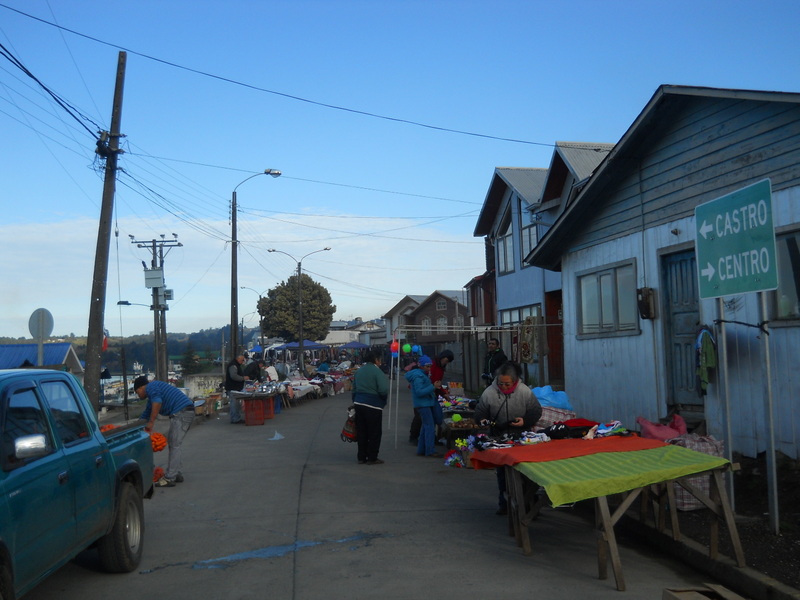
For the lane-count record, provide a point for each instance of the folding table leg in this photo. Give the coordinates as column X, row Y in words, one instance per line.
column 730, row 521
column 517, row 512
column 607, row 543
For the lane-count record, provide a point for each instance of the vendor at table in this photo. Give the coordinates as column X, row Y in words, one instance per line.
column 507, row 406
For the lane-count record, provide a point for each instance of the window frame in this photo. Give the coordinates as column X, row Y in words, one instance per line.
column 66, row 392
column 611, row 312
column 516, row 315
column 427, row 326
column 36, row 394
column 525, row 230
column 787, row 279
column 505, row 243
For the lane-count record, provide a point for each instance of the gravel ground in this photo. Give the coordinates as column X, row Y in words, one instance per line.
column 776, row 556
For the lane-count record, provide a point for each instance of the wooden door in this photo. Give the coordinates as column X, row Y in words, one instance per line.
column 681, row 320
column 555, row 337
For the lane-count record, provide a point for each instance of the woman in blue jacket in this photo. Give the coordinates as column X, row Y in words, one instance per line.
column 424, row 395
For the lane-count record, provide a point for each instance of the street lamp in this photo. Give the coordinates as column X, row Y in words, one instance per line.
column 234, row 265
column 260, row 318
column 300, row 349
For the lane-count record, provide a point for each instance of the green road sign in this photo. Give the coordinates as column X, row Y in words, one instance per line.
column 736, row 243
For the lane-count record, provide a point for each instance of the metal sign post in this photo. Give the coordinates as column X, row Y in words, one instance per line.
column 735, row 247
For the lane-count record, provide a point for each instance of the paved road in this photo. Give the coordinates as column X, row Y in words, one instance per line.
column 297, row 518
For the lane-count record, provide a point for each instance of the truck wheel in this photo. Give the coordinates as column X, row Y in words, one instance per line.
column 121, row 548
column 6, row 587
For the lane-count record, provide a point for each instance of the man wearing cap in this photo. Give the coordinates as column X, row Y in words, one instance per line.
column 165, row 399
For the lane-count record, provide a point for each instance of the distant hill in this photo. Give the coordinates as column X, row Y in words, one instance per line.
column 207, row 344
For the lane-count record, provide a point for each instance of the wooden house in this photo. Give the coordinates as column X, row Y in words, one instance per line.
column 625, row 246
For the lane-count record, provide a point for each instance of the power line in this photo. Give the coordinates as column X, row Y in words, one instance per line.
column 318, row 181
column 283, row 94
column 68, row 108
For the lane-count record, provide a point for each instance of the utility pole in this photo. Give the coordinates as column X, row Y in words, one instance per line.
column 108, row 148
column 154, row 279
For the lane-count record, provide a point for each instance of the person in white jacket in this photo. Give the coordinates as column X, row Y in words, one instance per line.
column 507, row 406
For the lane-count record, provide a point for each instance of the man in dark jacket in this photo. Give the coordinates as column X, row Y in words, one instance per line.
column 494, row 358
column 253, row 370
column 234, row 382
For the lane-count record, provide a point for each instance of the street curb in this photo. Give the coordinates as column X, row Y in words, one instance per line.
column 742, row 580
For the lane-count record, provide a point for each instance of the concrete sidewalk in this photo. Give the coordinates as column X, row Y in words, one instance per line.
column 284, row 511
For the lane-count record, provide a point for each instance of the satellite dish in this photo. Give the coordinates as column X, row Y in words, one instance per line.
column 40, row 324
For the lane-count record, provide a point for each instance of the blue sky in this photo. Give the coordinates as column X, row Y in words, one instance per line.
column 217, row 91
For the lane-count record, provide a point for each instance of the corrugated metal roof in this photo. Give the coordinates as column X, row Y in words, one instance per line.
column 582, row 158
column 527, row 182
column 13, row 356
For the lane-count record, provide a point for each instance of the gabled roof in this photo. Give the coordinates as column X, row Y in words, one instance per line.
column 478, row 279
column 654, row 118
column 447, row 294
column 14, row 356
column 410, row 299
column 579, row 159
column 528, row 184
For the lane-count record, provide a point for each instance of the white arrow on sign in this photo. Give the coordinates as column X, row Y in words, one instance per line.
column 705, row 228
column 708, row 271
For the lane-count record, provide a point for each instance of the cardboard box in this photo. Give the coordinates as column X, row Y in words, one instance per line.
column 708, row 591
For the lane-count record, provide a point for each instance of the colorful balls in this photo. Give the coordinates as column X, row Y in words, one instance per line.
column 407, row 348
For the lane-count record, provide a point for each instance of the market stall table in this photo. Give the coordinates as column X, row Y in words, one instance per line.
column 258, row 406
column 577, row 469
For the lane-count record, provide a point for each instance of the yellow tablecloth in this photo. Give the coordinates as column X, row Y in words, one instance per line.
column 572, row 479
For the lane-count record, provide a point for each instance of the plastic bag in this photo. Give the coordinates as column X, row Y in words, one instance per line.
column 548, row 397
column 657, row 431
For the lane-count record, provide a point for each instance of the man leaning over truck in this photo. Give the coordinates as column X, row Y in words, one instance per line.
column 165, row 399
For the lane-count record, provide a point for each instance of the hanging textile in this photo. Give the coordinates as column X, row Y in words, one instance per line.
column 533, row 339
column 705, row 347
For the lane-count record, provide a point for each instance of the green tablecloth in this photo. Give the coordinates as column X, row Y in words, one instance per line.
column 571, row 479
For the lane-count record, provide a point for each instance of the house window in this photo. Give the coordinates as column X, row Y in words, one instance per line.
column 441, row 325
column 529, row 231
column 459, row 321
column 426, row 326
column 786, row 299
column 441, row 304
column 607, row 301
column 505, row 245
column 517, row 315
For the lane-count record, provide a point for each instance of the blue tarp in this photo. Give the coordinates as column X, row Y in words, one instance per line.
column 354, row 346
column 307, row 345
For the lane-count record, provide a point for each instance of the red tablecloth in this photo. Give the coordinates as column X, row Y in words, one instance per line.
column 559, row 449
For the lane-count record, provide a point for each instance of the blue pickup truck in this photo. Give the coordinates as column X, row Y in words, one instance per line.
column 65, row 486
